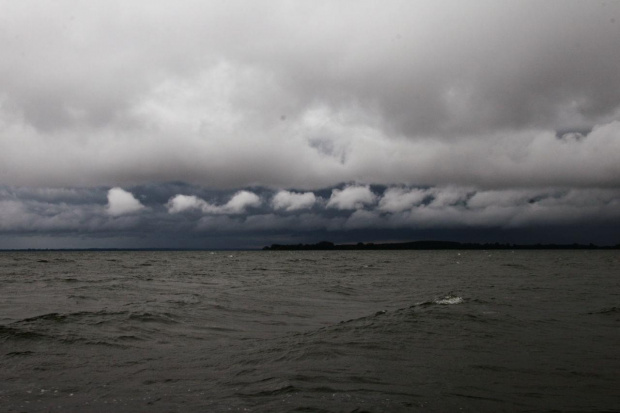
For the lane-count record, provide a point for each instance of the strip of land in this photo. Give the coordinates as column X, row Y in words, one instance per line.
column 432, row 245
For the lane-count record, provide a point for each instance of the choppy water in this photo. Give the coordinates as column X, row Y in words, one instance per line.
column 382, row 331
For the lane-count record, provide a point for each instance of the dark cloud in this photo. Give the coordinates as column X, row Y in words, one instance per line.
column 228, row 95
column 119, row 120
column 352, row 211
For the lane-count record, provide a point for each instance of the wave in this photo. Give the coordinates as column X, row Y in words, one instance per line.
column 341, row 290
column 11, row 334
column 148, row 317
column 56, row 261
column 347, row 359
column 609, row 310
column 449, row 299
column 7, row 333
column 444, row 300
column 108, row 328
column 99, row 317
column 372, row 332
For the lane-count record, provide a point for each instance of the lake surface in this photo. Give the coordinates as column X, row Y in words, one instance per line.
column 313, row 331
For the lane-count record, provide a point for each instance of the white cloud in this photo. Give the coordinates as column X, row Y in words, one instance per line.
column 30, row 216
column 292, row 201
column 167, row 100
column 180, row 203
column 401, row 199
column 236, row 205
column 121, row 202
column 241, row 201
column 449, row 196
column 505, row 198
column 351, row 197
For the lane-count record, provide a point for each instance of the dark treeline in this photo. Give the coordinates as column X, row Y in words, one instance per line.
column 432, row 245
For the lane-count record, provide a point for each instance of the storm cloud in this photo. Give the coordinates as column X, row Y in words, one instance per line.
column 250, row 218
column 237, row 117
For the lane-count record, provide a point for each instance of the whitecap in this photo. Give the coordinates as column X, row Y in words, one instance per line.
column 449, row 300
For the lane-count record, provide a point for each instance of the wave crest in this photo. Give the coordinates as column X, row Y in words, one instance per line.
column 449, row 299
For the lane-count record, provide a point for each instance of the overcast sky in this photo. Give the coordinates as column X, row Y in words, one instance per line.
column 237, row 123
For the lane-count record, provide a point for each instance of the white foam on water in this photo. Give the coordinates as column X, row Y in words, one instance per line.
column 449, row 300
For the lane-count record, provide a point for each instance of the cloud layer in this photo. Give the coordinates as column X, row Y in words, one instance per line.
column 229, row 95
column 233, row 121
column 348, row 213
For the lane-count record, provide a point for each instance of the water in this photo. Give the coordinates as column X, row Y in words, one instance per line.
column 352, row 331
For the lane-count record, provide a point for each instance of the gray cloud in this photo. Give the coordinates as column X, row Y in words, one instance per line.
column 401, row 199
column 188, row 220
column 168, row 123
column 310, row 95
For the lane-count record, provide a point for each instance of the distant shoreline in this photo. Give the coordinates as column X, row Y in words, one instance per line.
column 433, row 245
column 125, row 249
column 360, row 246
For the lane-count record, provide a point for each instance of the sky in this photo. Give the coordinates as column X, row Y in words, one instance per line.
column 236, row 124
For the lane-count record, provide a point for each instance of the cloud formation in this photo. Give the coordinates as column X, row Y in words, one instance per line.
column 121, row 202
column 399, row 212
column 200, row 93
column 293, row 201
column 351, row 197
column 399, row 199
column 201, row 117
column 236, row 205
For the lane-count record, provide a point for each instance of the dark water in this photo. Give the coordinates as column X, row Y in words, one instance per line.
column 393, row 331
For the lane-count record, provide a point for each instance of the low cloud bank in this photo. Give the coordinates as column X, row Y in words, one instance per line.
column 166, row 100
column 354, row 207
